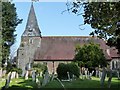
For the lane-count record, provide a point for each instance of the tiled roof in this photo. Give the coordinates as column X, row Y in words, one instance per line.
column 63, row 47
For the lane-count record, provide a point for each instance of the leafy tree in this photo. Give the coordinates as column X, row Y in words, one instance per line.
column 10, row 21
column 102, row 16
column 90, row 55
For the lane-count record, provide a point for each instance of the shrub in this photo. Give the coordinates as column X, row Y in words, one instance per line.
column 64, row 68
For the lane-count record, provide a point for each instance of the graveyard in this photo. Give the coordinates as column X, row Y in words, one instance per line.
column 63, row 62
column 79, row 83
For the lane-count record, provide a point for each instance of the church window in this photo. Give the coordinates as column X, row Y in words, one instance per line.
column 116, row 64
column 113, row 65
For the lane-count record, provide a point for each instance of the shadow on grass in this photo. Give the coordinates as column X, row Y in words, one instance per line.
column 25, row 84
column 79, row 83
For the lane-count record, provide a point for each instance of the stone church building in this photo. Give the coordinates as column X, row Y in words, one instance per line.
column 55, row 49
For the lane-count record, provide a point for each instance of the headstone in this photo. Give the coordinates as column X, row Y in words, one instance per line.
column 4, row 72
column 85, row 73
column 13, row 75
column 17, row 75
column 26, row 75
column 41, row 74
column 110, row 78
column 46, row 78
column 103, row 77
column 0, row 72
column 118, row 74
column 68, row 76
column 33, row 75
column 100, row 74
column 8, row 80
column 97, row 73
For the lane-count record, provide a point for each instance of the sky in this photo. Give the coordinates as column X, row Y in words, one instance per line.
column 50, row 19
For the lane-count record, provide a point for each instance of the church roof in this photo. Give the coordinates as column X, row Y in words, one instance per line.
column 63, row 47
column 32, row 25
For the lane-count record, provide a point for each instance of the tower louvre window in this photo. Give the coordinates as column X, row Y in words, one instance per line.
column 30, row 41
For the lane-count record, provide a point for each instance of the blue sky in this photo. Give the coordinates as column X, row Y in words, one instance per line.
column 51, row 21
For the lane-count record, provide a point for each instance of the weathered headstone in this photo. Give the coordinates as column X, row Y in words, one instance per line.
column 13, row 75
column 46, row 78
column 8, row 80
column 110, row 78
column 17, row 75
column 41, row 73
column 26, row 75
column 33, row 75
column 103, row 77
column 97, row 73
column 86, row 73
column 68, row 76
column 100, row 74
column 118, row 74
column 0, row 72
column 4, row 72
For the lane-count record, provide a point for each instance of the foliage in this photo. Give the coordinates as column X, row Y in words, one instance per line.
column 90, row 55
column 103, row 18
column 64, row 68
column 40, row 67
column 10, row 21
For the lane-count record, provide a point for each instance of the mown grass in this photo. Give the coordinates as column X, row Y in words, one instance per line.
column 20, row 83
column 79, row 83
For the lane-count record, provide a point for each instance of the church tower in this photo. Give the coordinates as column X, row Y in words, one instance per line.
column 30, row 41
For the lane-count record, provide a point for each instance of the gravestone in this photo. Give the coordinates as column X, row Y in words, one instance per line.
column 17, row 75
column 118, row 74
column 68, row 76
column 102, row 80
column 8, row 80
column 110, row 78
column 13, row 75
column 4, row 72
column 26, row 75
column 0, row 72
column 41, row 73
column 46, row 78
column 86, row 73
column 97, row 73
column 100, row 74
column 33, row 75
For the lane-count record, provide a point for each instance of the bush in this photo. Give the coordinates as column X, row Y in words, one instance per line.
column 64, row 68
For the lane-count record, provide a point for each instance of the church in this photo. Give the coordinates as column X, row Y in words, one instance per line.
column 55, row 49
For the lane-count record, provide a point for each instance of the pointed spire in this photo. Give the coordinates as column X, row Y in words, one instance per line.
column 32, row 28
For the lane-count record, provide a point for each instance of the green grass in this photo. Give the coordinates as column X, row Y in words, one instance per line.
column 79, row 83
column 20, row 83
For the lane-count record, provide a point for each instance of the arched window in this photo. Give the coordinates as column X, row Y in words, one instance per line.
column 113, row 65
column 116, row 64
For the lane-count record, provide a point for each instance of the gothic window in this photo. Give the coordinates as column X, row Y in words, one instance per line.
column 116, row 64
column 113, row 65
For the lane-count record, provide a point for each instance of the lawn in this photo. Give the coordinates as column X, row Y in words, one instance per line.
column 79, row 83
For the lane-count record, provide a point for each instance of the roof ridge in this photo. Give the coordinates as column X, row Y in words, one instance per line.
column 70, row 36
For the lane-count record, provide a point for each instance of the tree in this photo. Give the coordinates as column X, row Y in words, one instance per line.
column 103, row 18
column 90, row 55
column 10, row 21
